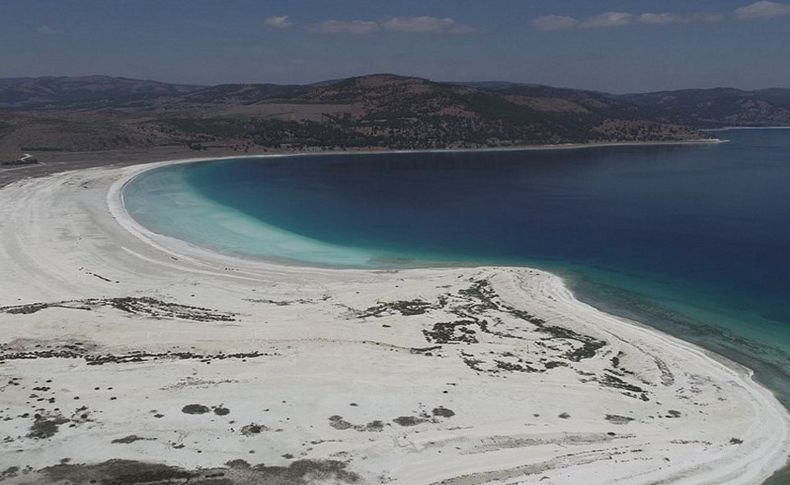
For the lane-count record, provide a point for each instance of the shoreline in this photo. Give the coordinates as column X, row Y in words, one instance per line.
column 116, row 258
column 118, row 209
column 734, row 128
column 181, row 248
column 135, row 157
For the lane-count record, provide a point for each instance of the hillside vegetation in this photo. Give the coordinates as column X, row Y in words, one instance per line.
column 376, row 111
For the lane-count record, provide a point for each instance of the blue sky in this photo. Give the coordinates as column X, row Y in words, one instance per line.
column 617, row 46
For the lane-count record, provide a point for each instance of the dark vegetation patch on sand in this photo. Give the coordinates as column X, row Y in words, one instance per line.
column 443, row 412
column 609, row 380
column 253, row 428
column 47, row 423
column 46, row 426
column 135, row 305
column 300, row 301
column 428, row 351
column 9, row 472
column 130, row 439
column 339, row 423
column 129, row 472
column 221, row 411
column 21, row 349
column 375, row 425
column 405, row 308
column 409, row 420
column 617, row 419
column 455, row 332
column 480, row 298
column 195, row 409
column 481, row 312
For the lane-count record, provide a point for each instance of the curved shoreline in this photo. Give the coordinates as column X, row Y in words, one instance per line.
column 762, row 371
column 116, row 204
column 145, row 264
column 119, row 210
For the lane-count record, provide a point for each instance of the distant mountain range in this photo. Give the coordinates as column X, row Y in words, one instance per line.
column 719, row 107
column 375, row 111
column 40, row 92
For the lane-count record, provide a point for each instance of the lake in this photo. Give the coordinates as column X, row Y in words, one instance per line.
column 691, row 239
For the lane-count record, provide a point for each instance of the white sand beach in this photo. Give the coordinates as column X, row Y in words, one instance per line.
column 126, row 356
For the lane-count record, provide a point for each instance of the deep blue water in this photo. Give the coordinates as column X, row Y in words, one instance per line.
column 694, row 240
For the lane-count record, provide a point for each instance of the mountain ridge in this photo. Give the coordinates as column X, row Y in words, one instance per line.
column 373, row 111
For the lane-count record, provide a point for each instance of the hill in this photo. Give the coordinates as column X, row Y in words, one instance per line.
column 238, row 93
column 719, row 107
column 27, row 93
column 374, row 111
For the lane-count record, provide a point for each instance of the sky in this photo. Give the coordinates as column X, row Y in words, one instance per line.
column 616, row 46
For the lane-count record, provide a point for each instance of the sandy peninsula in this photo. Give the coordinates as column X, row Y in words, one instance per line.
column 128, row 357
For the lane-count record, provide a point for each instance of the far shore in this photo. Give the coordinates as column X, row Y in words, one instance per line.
column 56, row 161
column 731, row 128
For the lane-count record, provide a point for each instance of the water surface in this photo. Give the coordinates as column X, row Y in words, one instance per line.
column 694, row 240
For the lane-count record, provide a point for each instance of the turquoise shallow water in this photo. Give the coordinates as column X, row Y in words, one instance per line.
column 694, row 240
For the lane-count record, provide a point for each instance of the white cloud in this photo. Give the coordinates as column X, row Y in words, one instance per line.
column 426, row 24
column 671, row 18
column 619, row 19
column 608, row 19
column 357, row 27
column 763, row 9
column 663, row 19
column 553, row 22
column 395, row 24
column 46, row 30
column 278, row 22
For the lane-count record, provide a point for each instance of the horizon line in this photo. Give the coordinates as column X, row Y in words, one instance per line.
column 338, row 79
